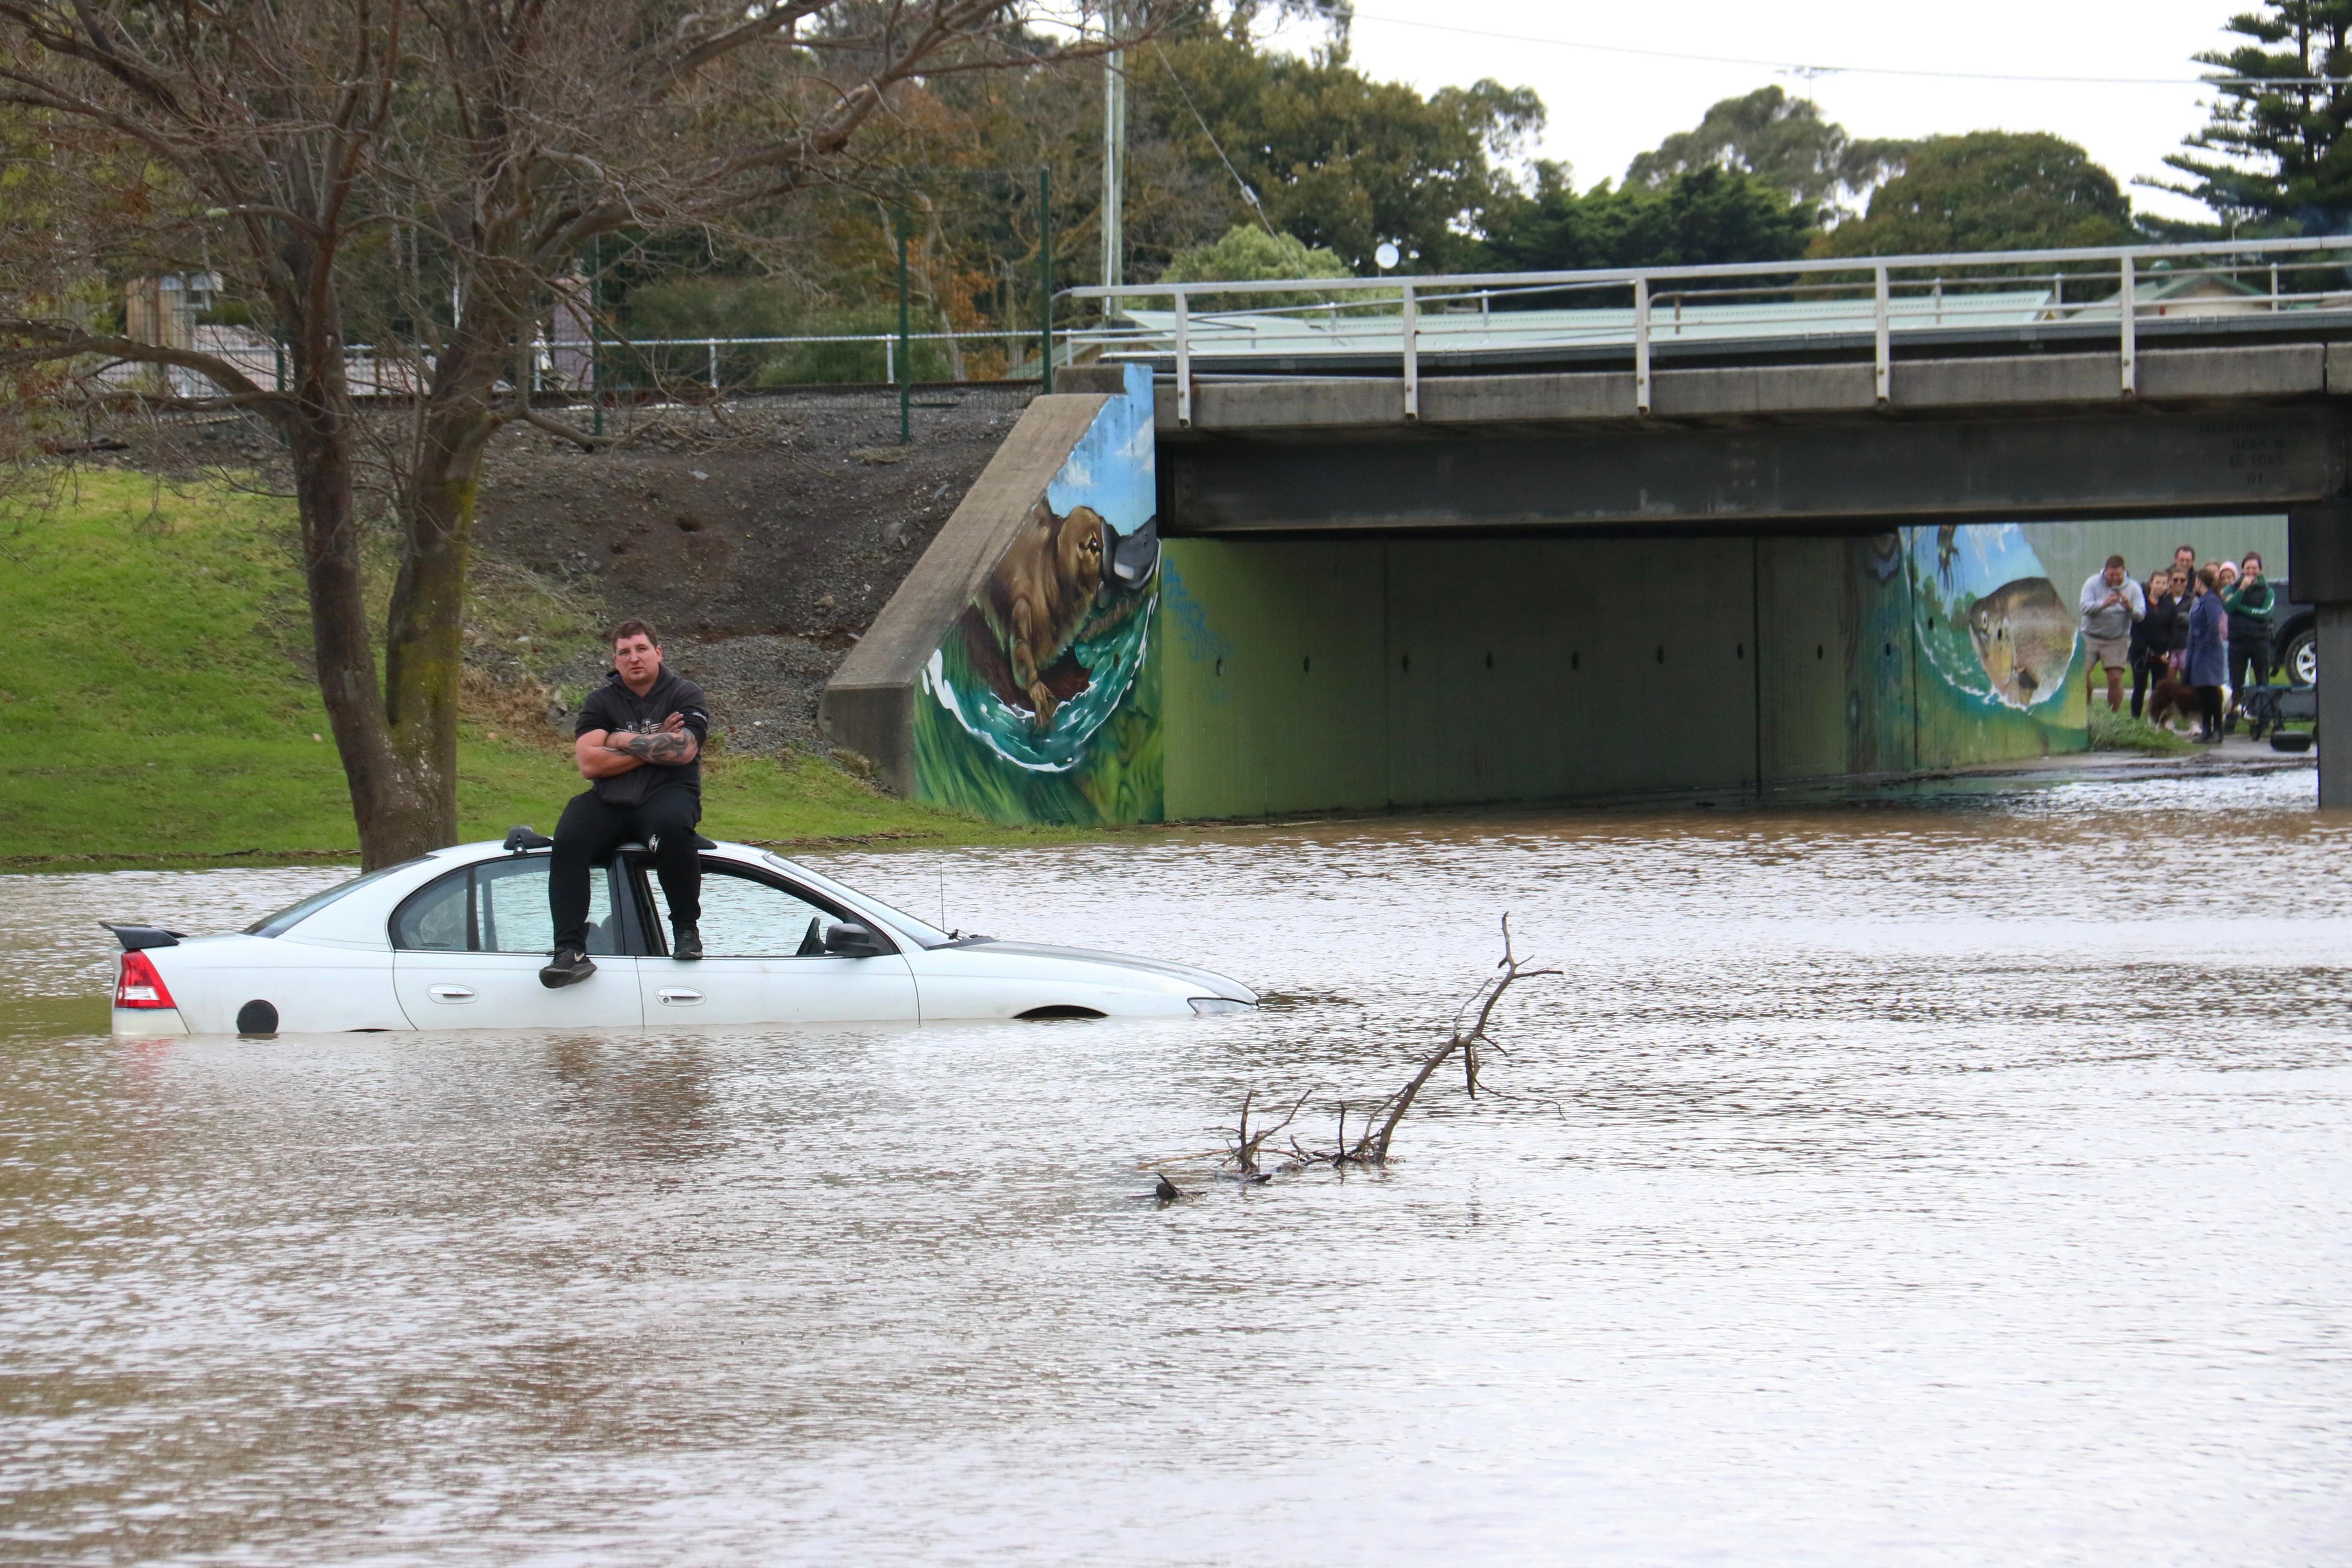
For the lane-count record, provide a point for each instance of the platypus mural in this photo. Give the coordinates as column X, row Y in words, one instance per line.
column 2024, row 637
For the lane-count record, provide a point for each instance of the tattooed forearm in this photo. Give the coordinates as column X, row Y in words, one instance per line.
column 664, row 746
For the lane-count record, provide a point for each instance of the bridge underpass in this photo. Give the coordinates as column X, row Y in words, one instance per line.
column 1750, row 565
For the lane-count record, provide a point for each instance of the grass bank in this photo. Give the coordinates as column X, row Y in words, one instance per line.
column 160, row 709
column 2120, row 732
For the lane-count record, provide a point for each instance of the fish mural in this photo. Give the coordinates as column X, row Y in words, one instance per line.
column 1987, row 619
column 2025, row 640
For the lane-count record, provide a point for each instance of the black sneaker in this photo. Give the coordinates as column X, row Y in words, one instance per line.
column 686, row 943
column 569, row 966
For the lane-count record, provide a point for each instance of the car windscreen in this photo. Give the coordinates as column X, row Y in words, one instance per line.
column 922, row 933
column 295, row 914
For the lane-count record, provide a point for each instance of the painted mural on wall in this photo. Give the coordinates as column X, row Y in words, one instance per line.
column 1992, row 622
column 1042, row 705
column 1999, row 664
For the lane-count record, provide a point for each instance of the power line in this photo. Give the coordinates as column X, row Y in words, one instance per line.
column 1808, row 70
column 1247, row 194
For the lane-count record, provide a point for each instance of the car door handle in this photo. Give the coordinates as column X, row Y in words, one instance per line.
column 452, row 993
column 680, row 994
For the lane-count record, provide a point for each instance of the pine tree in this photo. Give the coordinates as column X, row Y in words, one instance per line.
column 2279, row 121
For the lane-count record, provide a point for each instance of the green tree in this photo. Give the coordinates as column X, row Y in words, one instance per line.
column 1246, row 254
column 1337, row 159
column 1989, row 190
column 1704, row 215
column 1781, row 140
column 2282, row 155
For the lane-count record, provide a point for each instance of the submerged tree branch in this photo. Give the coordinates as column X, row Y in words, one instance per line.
column 1243, row 1155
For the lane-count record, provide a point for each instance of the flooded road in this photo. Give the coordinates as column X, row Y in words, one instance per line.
column 1954, row 1182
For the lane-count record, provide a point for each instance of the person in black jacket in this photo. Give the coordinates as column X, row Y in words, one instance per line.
column 2175, row 645
column 639, row 744
column 2253, row 605
column 2151, row 639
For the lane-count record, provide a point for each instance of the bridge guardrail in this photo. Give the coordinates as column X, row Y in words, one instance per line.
column 1885, row 296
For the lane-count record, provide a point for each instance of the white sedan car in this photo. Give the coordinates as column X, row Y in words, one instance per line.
column 455, row 940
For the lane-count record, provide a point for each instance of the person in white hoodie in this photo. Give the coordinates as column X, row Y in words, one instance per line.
column 2111, row 603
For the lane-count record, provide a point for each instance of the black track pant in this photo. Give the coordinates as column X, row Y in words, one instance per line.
column 2209, row 703
column 591, row 831
column 2255, row 652
column 2146, row 673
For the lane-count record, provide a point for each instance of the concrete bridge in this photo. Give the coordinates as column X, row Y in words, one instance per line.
column 1706, row 529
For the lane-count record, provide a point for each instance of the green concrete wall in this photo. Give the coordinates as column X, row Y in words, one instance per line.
column 2073, row 550
column 1364, row 673
column 1357, row 674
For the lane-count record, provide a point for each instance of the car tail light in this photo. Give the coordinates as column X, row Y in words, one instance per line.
column 141, row 986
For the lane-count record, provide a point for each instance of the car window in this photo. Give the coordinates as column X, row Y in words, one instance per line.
column 507, row 901
column 745, row 918
column 434, row 919
column 295, row 914
column 511, row 912
column 922, row 933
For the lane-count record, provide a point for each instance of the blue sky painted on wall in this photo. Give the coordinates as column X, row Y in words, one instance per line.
column 1112, row 468
column 1984, row 556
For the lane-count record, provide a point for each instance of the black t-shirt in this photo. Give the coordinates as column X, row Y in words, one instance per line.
column 613, row 707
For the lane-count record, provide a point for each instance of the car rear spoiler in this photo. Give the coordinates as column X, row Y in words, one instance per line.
column 134, row 938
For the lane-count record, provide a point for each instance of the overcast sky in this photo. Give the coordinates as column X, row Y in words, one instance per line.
column 1607, row 107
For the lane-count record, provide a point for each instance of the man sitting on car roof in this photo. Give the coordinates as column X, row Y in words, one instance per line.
column 640, row 745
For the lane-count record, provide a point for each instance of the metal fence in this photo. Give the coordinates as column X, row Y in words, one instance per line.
column 711, row 367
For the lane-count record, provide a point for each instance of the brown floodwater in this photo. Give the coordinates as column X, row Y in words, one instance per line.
column 1941, row 1182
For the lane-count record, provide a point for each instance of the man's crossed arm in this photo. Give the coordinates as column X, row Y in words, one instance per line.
column 605, row 753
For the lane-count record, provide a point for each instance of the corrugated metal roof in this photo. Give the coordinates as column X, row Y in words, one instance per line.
column 1319, row 329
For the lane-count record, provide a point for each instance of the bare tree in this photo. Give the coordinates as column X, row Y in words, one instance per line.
column 426, row 171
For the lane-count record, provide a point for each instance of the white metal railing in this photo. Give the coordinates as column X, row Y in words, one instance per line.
column 1882, row 297
column 712, row 347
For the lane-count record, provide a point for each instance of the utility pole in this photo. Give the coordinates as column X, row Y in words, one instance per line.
column 595, row 355
column 1045, row 279
column 905, row 356
column 1114, row 249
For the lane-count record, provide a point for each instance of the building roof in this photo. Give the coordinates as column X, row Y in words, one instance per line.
column 1367, row 328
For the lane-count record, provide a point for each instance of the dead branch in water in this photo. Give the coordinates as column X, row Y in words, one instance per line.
column 1245, row 1145
column 1372, row 1149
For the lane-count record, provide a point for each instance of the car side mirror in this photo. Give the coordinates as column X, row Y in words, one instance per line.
column 850, row 940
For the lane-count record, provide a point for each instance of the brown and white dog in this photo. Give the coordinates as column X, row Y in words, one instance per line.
column 2171, row 698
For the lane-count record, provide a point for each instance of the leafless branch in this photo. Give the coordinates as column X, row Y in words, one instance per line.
column 1378, row 1128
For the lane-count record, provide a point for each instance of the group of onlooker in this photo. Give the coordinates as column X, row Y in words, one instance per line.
column 2208, row 626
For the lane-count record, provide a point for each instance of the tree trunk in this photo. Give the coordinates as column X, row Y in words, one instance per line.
column 393, row 818
column 425, row 629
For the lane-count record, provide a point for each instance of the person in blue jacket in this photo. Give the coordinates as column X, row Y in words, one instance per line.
column 2209, row 657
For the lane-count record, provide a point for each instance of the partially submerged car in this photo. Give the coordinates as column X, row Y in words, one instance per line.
column 455, row 940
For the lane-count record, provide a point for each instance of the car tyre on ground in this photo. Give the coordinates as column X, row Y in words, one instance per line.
column 2300, row 659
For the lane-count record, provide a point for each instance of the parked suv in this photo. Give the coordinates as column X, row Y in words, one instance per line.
column 2294, row 641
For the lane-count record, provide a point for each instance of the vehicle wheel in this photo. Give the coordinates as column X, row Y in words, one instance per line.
column 2301, row 660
